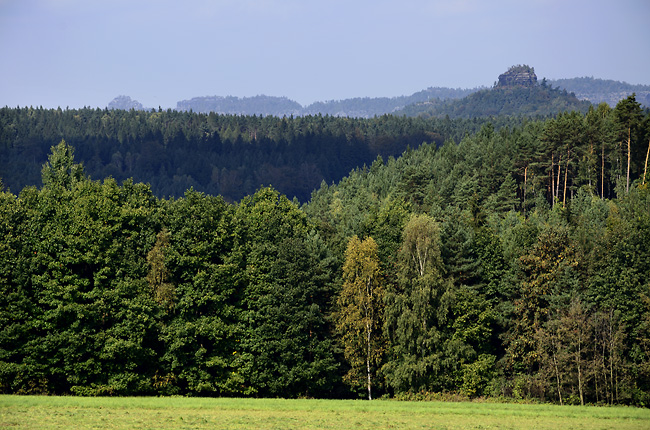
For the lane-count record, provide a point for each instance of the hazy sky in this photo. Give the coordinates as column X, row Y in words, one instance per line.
column 84, row 52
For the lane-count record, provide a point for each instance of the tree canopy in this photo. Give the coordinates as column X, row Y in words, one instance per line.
column 513, row 262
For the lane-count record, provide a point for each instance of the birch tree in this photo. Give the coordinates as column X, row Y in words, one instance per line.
column 412, row 306
column 360, row 310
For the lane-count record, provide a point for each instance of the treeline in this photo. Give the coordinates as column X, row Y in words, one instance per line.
column 515, row 263
column 225, row 155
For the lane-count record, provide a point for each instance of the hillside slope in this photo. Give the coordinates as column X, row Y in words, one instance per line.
column 516, row 93
column 603, row 90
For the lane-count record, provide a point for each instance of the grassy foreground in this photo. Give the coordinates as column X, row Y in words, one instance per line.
column 32, row 412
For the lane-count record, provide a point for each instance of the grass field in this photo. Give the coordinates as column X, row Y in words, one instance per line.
column 32, row 412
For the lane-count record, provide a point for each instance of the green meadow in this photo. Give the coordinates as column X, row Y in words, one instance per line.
column 33, row 412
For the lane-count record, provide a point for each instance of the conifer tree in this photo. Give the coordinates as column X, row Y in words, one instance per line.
column 61, row 170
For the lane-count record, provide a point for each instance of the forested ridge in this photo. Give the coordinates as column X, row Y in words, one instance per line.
column 227, row 155
column 540, row 100
column 603, row 90
column 585, row 88
column 512, row 261
column 358, row 107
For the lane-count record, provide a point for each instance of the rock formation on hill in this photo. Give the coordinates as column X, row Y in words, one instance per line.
column 126, row 103
column 518, row 76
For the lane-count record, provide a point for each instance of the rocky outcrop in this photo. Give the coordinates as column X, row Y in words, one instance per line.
column 518, row 76
column 125, row 102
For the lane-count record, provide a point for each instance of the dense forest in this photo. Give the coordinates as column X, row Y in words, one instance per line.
column 233, row 155
column 514, row 263
column 227, row 155
column 511, row 260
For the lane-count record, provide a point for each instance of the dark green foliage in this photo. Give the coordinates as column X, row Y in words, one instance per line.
column 628, row 117
column 413, row 303
column 81, row 271
column 60, row 171
column 513, row 263
column 227, row 155
column 199, row 330
column 285, row 346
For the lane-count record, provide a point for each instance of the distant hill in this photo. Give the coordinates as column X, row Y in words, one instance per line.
column 527, row 101
column 365, row 107
column 125, row 103
column 516, row 93
column 258, row 105
column 519, row 92
column 603, row 90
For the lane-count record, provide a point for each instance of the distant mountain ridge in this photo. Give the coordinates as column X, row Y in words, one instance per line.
column 360, row 107
column 603, row 90
column 517, row 93
column 436, row 101
column 531, row 101
column 257, row 105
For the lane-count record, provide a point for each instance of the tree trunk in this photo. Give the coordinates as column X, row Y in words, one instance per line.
column 368, row 334
column 611, row 358
column 645, row 168
column 526, row 177
column 608, row 382
column 629, row 151
column 557, row 377
column 368, row 331
column 566, row 175
column 579, row 357
column 602, row 171
column 553, row 180
column 591, row 157
column 559, row 174
column 594, row 367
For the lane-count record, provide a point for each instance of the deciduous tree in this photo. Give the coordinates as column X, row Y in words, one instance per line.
column 360, row 312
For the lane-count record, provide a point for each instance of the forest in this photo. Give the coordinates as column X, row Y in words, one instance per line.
column 227, row 155
column 509, row 259
column 539, row 100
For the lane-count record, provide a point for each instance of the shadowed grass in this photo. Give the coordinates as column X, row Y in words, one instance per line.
column 31, row 412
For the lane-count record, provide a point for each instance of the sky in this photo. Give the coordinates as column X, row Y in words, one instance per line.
column 76, row 53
